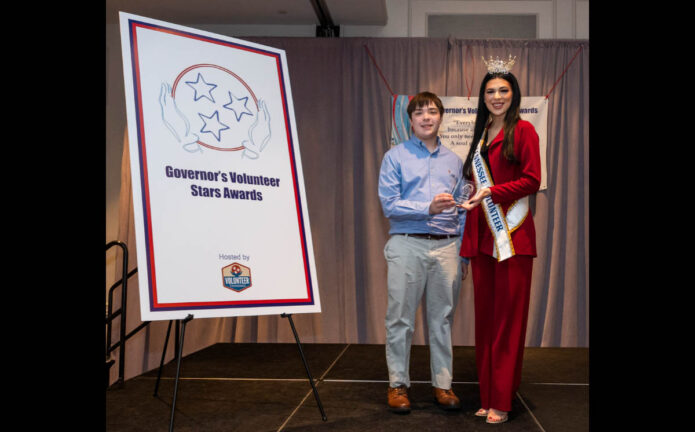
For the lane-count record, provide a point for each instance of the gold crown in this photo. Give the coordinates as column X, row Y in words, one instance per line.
column 498, row 65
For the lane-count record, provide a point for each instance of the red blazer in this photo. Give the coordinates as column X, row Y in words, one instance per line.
column 512, row 181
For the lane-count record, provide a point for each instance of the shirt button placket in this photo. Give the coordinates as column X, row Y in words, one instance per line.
column 429, row 183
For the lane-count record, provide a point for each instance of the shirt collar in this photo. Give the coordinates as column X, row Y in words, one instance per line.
column 422, row 145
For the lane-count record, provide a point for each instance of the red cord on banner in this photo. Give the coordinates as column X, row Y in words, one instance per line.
column 379, row 70
column 563, row 72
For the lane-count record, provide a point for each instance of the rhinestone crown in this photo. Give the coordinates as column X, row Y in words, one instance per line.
column 499, row 66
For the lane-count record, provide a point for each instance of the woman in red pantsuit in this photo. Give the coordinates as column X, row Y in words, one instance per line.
column 500, row 238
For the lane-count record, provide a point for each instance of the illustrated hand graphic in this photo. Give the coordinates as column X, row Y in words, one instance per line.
column 259, row 133
column 176, row 121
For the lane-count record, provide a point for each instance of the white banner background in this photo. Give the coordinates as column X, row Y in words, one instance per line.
column 456, row 131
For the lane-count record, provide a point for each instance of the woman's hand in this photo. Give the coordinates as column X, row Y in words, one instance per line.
column 477, row 198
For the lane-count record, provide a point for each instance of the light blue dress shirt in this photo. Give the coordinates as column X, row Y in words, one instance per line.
column 409, row 179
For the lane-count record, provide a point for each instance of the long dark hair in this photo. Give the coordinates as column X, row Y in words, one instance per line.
column 482, row 119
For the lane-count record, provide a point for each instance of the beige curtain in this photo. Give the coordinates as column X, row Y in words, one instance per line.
column 342, row 107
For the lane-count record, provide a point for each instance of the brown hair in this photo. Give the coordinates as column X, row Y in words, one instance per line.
column 423, row 99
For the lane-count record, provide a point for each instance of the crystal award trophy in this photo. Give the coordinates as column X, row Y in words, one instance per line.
column 463, row 191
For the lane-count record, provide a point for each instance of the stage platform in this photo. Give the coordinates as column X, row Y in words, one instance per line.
column 264, row 387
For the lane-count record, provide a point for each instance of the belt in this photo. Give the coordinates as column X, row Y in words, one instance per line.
column 429, row 236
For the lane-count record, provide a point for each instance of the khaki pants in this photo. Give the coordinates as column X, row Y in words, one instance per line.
column 418, row 267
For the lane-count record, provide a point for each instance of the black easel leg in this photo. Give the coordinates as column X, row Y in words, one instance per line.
column 306, row 366
column 176, row 336
column 161, row 363
column 178, row 369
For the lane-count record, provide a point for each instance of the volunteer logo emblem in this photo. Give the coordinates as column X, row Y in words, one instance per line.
column 236, row 277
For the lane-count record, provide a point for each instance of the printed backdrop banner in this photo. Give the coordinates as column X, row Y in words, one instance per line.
column 456, row 131
column 222, row 227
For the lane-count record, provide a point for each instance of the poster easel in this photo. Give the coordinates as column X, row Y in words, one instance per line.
column 179, row 356
column 214, row 160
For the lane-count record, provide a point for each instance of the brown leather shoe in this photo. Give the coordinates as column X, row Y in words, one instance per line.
column 398, row 399
column 446, row 399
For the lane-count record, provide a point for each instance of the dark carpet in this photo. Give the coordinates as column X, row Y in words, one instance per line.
column 264, row 387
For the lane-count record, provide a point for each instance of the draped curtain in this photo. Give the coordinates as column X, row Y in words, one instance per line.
column 343, row 114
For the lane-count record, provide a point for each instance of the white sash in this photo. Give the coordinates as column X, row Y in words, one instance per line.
column 500, row 225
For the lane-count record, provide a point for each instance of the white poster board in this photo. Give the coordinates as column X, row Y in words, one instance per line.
column 458, row 122
column 222, row 226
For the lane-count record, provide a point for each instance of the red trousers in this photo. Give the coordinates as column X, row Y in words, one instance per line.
column 502, row 291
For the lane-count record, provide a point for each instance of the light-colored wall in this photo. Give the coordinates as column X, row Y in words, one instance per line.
column 557, row 19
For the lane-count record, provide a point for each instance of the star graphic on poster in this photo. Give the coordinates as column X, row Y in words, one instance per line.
column 212, row 124
column 235, row 104
column 193, row 122
column 201, row 88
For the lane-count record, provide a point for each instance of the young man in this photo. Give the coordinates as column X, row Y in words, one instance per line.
column 416, row 183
